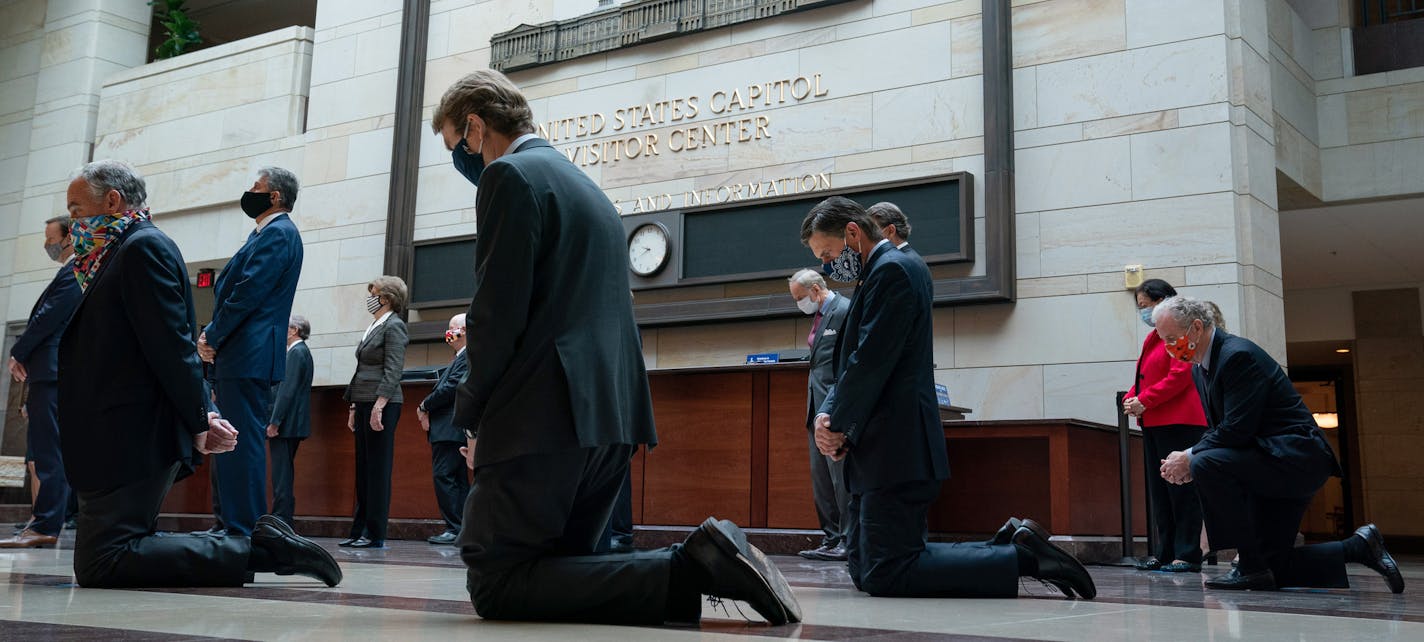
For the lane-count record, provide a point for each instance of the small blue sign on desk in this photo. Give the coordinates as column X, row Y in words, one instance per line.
column 766, row 357
column 942, row 394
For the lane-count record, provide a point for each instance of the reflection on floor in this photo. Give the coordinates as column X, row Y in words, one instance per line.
column 415, row 591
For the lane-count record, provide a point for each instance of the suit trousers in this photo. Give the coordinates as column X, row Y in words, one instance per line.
column 242, row 473
column 531, row 526
column 829, row 490
column 43, row 435
column 889, row 557
column 1254, row 502
column 217, row 497
column 374, row 453
column 452, row 481
column 116, row 544
column 1176, row 511
column 620, row 523
column 283, row 453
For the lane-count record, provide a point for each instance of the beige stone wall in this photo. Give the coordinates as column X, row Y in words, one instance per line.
column 21, row 46
column 1389, row 372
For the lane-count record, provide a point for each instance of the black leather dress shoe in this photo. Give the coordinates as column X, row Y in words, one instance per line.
column 739, row 571
column 621, row 544
column 368, row 543
column 292, row 554
column 350, row 541
column 1006, row 532
column 447, row 537
column 1380, row 560
column 1181, row 567
column 1055, row 565
column 1236, row 581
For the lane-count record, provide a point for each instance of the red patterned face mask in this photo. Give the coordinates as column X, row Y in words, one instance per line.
column 1181, row 349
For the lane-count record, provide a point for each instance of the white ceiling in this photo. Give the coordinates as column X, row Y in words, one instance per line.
column 1353, row 245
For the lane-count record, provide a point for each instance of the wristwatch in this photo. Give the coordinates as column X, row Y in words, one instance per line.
column 469, row 434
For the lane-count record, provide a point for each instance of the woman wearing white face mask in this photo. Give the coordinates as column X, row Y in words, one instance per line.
column 375, row 397
column 1164, row 400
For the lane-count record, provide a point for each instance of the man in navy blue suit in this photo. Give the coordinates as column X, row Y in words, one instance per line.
column 35, row 361
column 882, row 417
column 247, row 340
column 1260, row 463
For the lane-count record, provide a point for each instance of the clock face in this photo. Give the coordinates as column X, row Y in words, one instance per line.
column 648, row 249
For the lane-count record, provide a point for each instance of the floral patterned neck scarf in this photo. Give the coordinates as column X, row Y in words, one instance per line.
column 92, row 237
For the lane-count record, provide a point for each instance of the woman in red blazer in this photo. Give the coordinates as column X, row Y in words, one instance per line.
column 1164, row 400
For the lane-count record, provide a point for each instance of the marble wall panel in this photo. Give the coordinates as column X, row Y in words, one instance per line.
column 996, row 393
column 1178, row 74
column 1155, row 22
column 352, row 99
column 1076, row 329
column 1067, row 29
column 1073, row 175
column 942, row 110
column 1373, row 169
column 1178, row 162
column 1202, row 230
column 724, row 344
column 330, row 15
column 1086, row 390
column 922, row 54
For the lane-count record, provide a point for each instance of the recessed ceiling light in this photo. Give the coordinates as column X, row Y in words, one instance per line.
column 1343, row 351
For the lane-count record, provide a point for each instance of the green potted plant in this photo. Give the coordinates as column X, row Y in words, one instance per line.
column 181, row 31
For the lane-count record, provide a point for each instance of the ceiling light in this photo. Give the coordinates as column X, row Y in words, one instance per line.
column 1326, row 420
column 1343, row 351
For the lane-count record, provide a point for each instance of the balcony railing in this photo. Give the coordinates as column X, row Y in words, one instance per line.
column 630, row 24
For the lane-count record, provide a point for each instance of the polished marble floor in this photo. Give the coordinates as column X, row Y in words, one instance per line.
column 414, row 591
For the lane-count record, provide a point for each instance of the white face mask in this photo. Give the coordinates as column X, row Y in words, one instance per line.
column 807, row 306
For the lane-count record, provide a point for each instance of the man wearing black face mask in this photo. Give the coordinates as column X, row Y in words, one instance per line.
column 246, row 342
column 881, row 417
column 35, row 361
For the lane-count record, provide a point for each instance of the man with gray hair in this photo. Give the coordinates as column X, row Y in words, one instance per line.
column 247, row 339
column 290, row 420
column 894, row 225
column 1260, row 462
column 827, row 474
column 133, row 406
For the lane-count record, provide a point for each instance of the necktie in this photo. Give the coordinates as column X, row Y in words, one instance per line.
column 815, row 325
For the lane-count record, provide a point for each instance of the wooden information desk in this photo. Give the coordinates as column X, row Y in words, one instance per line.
column 732, row 443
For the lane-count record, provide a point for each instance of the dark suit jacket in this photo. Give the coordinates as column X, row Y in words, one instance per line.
column 440, row 403
column 132, row 395
column 910, row 250
column 823, row 356
column 555, row 362
column 291, row 399
column 884, row 397
column 1250, row 403
column 380, row 360
column 253, row 297
column 38, row 347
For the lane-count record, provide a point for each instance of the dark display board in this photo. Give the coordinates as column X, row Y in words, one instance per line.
column 444, row 272
column 761, row 239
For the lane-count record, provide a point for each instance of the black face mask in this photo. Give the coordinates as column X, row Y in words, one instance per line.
column 471, row 165
column 255, row 203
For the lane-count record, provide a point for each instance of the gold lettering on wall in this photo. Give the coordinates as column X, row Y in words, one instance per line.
column 725, row 193
column 675, row 115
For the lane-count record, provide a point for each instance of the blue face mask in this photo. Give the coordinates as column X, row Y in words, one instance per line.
column 471, row 165
column 845, row 267
column 1146, row 314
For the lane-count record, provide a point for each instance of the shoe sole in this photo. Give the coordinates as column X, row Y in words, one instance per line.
column 306, row 543
column 730, row 540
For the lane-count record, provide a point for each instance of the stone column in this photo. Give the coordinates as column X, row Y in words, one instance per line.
column 84, row 42
column 1389, row 373
column 1253, row 161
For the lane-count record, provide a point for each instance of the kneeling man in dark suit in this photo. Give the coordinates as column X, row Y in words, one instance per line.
column 882, row 417
column 558, row 395
column 1259, row 464
column 133, row 406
